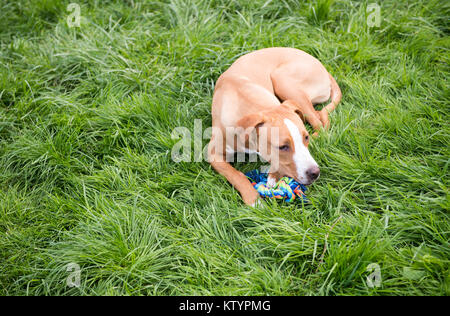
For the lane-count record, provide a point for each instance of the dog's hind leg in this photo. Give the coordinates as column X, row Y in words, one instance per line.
column 336, row 95
column 289, row 88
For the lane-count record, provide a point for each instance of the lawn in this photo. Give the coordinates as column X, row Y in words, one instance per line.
column 86, row 175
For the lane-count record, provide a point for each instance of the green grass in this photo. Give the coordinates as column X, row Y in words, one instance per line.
column 86, row 116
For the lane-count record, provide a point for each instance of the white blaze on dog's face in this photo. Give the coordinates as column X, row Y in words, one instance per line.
column 306, row 168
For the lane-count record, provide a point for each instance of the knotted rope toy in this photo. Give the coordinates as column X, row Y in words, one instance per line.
column 286, row 189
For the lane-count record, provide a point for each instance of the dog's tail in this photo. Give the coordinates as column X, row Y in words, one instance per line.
column 336, row 96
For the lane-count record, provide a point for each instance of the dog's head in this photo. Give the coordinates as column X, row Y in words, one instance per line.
column 282, row 139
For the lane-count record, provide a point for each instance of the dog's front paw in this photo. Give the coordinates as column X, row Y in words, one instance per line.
column 271, row 181
column 257, row 203
column 251, row 197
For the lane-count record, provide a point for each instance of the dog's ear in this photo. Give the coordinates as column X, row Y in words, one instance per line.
column 251, row 121
column 294, row 106
column 250, row 125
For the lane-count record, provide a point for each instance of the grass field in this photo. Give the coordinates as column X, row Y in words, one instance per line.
column 86, row 176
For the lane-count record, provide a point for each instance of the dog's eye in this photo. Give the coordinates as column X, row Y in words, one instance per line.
column 284, row 148
column 307, row 137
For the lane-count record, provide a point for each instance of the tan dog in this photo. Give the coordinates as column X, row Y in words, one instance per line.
column 247, row 99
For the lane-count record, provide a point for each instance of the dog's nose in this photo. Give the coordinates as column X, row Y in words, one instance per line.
column 313, row 173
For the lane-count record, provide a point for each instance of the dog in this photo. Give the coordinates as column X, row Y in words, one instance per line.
column 272, row 89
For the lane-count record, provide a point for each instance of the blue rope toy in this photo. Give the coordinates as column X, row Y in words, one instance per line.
column 286, row 189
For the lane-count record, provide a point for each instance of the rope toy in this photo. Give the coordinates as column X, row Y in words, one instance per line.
column 286, row 189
